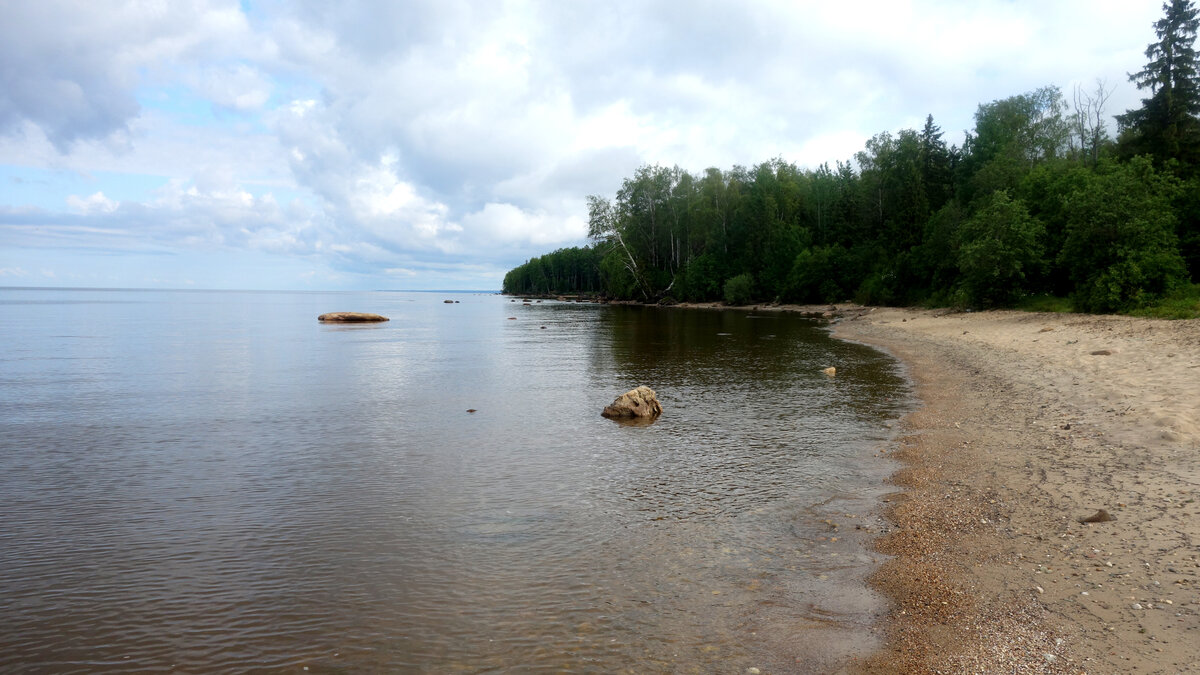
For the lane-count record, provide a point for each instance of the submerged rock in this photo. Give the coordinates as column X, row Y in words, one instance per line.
column 351, row 317
column 641, row 402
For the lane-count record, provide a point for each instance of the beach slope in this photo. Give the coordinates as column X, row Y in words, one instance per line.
column 1031, row 425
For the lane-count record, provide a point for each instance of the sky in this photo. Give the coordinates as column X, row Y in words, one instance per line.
column 355, row 145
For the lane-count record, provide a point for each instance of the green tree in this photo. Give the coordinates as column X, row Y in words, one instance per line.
column 1121, row 249
column 739, row 290
column 1000, row 244
column 935, row 261
column 816, row 275
column 1012, row 136
column 937, row 166
column 1045, row 190
column 1167, row 125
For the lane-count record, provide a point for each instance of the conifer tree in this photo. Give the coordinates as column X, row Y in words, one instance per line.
column 1168, row 123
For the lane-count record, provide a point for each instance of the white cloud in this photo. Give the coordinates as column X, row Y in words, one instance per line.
column 508, row 224
column 94, row 203
column 238, row 87
column 448, row 138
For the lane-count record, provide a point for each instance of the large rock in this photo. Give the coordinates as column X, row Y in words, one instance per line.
column 350, row 317
column 635, row 403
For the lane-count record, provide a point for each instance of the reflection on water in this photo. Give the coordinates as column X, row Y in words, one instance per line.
column 214, row 481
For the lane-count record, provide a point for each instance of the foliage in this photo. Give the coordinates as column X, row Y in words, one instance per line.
column 739, row 290
column 815, row 276
column 1183, row 303
column 1044, row 302
column 1035, row 204
column 1121, row 248
column 1001, row 243
column 1168, row 123
column 567, row 270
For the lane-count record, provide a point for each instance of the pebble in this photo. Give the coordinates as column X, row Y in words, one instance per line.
column 753, row 671
column 1136, row 605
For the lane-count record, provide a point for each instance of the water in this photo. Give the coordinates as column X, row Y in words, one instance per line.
column 213, row 481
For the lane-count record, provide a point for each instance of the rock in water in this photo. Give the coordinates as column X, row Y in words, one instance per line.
column 640, row 402
column 830, row 371
column 350, row 317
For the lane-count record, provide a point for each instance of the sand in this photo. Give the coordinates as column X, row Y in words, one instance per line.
column 1029, row 424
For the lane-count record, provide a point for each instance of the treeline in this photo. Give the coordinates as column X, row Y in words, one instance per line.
column 1038, row 200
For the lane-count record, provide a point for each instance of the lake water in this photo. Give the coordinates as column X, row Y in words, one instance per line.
column 214, row 481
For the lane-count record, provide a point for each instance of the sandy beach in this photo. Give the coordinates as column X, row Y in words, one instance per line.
column 1031, row 424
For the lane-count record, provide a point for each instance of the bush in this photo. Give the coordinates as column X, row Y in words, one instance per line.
column 1121, row 248
column 1183, row 303
column 814, row 276
column 1000, row 246
column 739, row 290
column 876, row 290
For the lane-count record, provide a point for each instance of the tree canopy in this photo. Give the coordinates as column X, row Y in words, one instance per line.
column 1038, row 200
column 1167, row 125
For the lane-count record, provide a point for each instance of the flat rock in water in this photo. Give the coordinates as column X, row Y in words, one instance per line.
column 351, row 317
column 637, row 403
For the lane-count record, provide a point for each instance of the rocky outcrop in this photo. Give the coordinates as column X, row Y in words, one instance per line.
column 635, row 403
column 351, row 317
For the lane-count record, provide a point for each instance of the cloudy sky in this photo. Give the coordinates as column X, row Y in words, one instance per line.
column 274, row 144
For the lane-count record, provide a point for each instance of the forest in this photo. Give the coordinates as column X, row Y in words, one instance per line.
column 1041, row 204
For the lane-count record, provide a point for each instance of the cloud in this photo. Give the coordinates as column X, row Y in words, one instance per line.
column 238, row 87
column 72, row 68
column 95, row 203
column 506, row 224
column 452, row 140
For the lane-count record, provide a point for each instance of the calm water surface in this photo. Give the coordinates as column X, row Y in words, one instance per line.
column 213, row 481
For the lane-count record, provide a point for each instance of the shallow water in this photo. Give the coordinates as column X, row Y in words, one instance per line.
column 215, row 481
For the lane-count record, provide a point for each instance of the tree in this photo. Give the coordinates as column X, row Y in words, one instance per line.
column 1121, row 248
column 1001, row 244
column 1167, row 125
column 1012, row 136
column 937, row 171
column 1088, row 120
column 605, row 225
column 739, row 290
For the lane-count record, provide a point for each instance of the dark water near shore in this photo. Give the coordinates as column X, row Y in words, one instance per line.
column 213, row 481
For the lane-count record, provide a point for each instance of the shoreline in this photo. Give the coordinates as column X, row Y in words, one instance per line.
column 1028, row 424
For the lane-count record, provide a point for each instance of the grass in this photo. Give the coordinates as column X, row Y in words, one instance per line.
column 1184, row 303
column 1046, row 303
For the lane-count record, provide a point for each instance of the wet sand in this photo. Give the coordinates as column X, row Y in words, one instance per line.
column 1030, row 424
